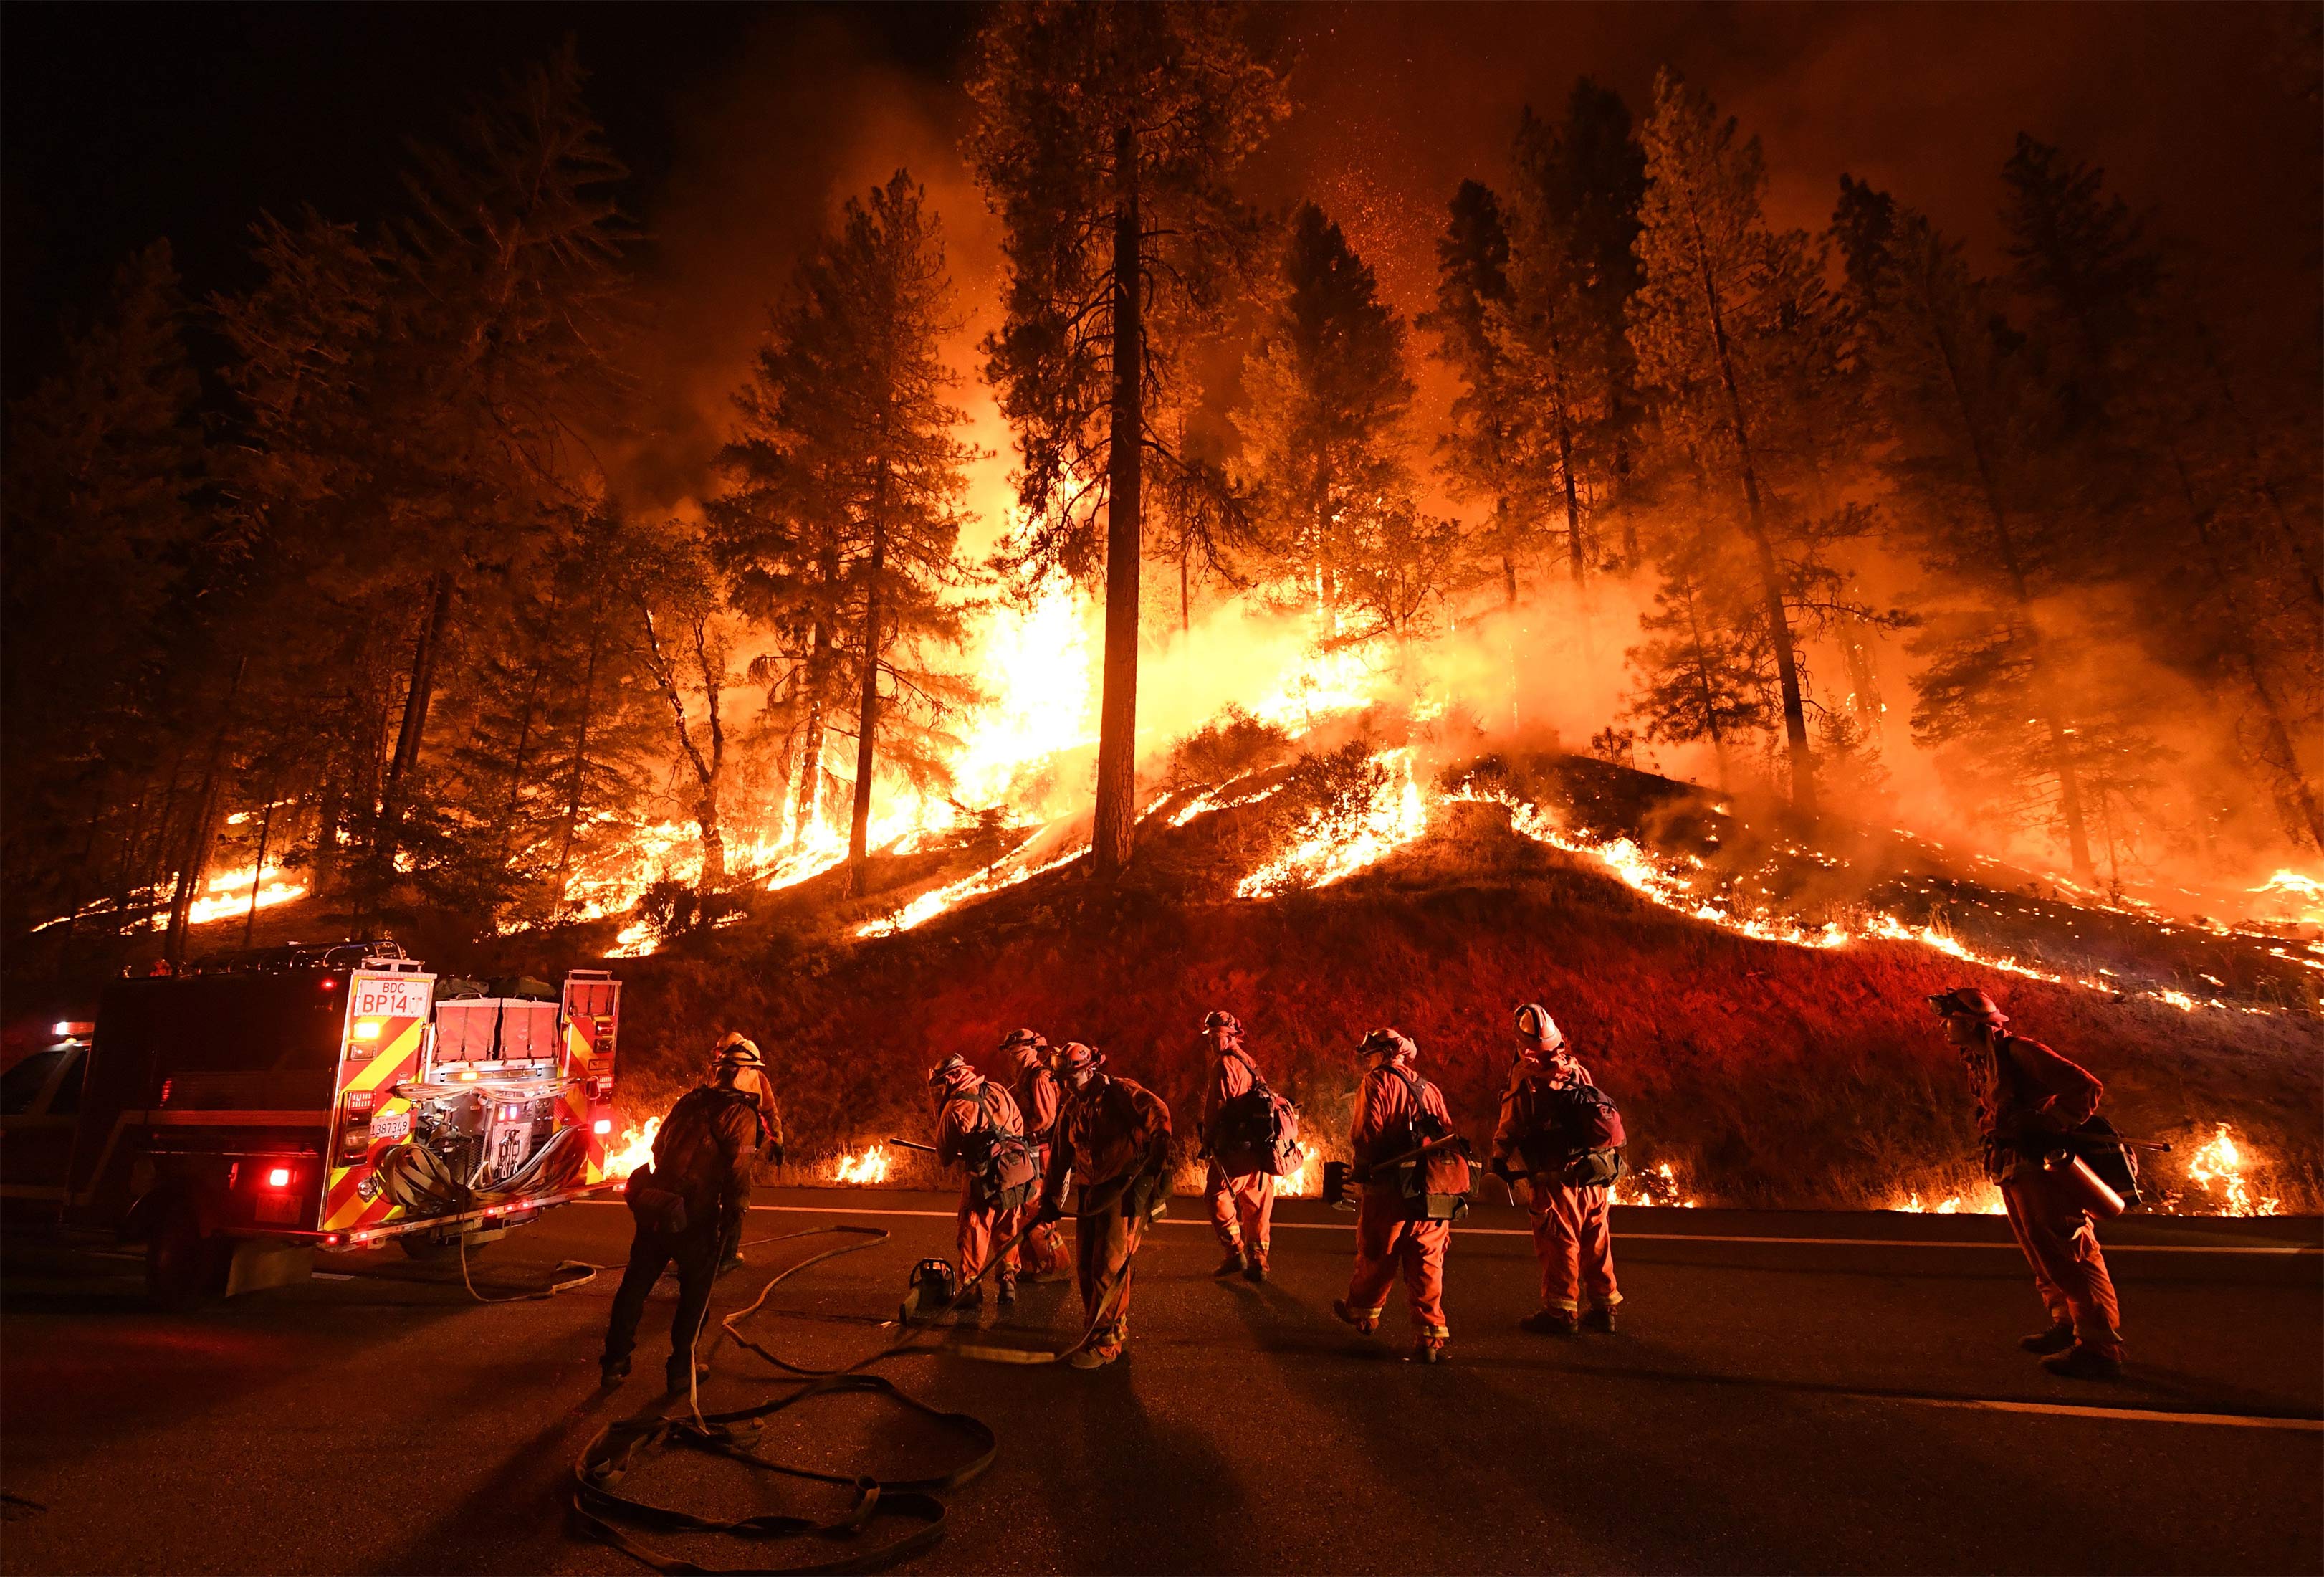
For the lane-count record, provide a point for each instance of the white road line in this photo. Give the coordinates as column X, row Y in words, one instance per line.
column 2128, row 1414
column 1326, row 1226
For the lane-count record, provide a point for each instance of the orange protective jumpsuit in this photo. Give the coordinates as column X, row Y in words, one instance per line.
column 1242, row 1205
column 1111, row 1133
column 1572, row 1229
column 1386, row 1238
column 1038, row 1096
column 2023, row 1087
column 983, row 1222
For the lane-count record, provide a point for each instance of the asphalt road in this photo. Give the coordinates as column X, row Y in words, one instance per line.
column 1767, row 1405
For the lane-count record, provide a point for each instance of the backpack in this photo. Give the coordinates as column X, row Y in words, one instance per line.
column 680, row 1187
column 1436, row 1185
column 999, row 1164
column 1257, row 1131
column 1579, row 1125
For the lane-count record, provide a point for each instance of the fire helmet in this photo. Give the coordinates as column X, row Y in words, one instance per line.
column 1219, row 1019
column 737, row 1051
column 1969, row 1003
column 1393, row 1044
column 1074, row 1059
column 1536, row 1025
column 1024, row 1039
column 951, row 1072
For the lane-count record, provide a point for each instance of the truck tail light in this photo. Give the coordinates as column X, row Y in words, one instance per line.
column 603, row 1125
column 278, row 1176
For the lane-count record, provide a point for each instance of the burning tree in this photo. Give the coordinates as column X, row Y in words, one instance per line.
column 1104, row 137
column 1324, row 445
column 1714, row 325
column 842, row 510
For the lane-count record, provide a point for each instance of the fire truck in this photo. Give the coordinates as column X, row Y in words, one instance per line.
column 236, row 1117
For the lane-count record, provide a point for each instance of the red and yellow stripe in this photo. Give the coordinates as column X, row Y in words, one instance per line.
column 397, row 1058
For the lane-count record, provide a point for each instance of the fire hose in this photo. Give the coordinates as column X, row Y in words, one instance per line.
column 599, row 1506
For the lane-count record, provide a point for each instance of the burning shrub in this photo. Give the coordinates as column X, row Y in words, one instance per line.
column 670, row 908
column 1337, row 788
column 1228, row 747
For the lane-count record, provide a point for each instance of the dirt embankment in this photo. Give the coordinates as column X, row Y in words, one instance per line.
column 1763, row 1074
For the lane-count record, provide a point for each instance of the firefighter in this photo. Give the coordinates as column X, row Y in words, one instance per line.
column 1241, row 1203
column 1038, row 1097
column 1112, row 1144
column 742, row 1054
column 978, row 1127
column 687, row 1205
column 1572, row 1229
column 1393, row 1109
column 2027, row 1094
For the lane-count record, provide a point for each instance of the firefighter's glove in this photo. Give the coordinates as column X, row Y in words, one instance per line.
column 774, row 1152
column 1051, row 1209
column 1499, row 1168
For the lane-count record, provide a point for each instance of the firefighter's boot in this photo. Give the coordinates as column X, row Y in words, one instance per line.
column 1255, row 1263
column 2056, row 1338
column 1550, row 1322
column 1234, row 1264
column 1600, row 1319
column 1365, row 1320
column 613, row 1371
column 1007, row 1294
column 2083, row 1362
column 682, row 1374
column 1427, row 1350
column 1096, row 1355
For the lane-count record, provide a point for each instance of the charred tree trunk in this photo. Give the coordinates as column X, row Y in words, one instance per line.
column 810, row 792
column 1114, row 819
column 577, row 781
column 417, row 695
column 707, row 768
column 258, row 865
column 1771, row 584
column 867, row 713
column 204, row 832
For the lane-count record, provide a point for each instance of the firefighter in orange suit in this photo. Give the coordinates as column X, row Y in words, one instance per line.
column 1038, row 1097
column 1241, row 1203
column 740, row 1055
column 1572, row 1227
column 1397, row 1111
column 973, row 1116
column 2027, row 1093
column 1112, row 1144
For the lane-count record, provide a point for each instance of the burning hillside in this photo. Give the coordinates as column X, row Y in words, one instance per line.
column 1755, row 1001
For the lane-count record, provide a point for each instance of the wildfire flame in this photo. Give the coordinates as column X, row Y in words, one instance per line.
column 1659, row 1186
column 636, row 1148
column 1325, row 849
column 1985, row 1199
column 2220, row 1160
column 870, row 1167
column 1308, row 1180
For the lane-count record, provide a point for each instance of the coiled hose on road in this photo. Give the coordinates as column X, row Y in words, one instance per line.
column 600, row 1509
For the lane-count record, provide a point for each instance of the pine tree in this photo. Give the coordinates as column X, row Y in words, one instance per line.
column 1706, row 673
column 1104, row 138
column 105, row 512
column 1953, row 401
column 1326, row 397
column 1582, row 181
column 848, row 434
column 1480, row 454
column 1712, row 324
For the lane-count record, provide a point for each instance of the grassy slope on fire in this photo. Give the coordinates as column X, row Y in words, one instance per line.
column 1765, row 1074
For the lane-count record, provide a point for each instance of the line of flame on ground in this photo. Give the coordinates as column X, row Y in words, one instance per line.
column 1323, row 850
column 867, row 1169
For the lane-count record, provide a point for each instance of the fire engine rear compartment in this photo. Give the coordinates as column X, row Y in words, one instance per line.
column 324, row 1100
